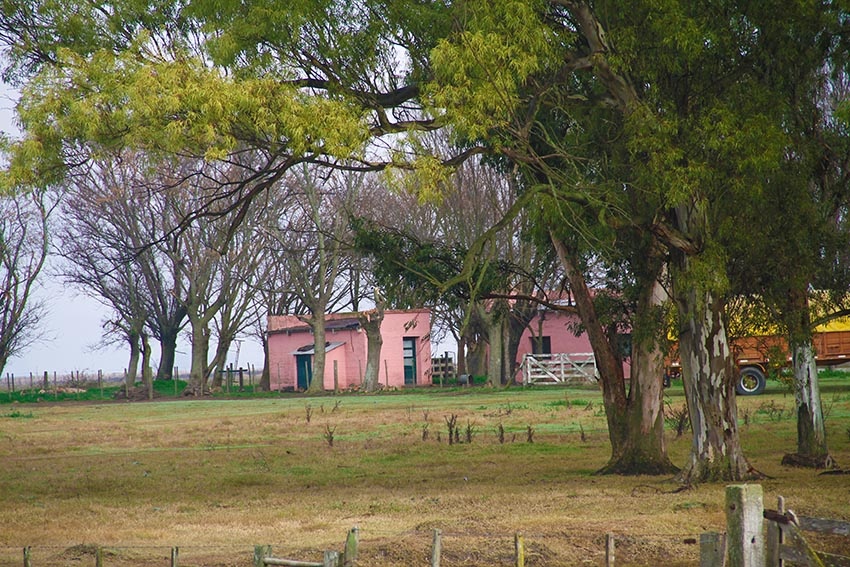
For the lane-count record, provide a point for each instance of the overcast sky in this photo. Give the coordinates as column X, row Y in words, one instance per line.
column 72, row 326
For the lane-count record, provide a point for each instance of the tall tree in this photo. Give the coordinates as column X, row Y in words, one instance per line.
column 24, row 244
column 309, row 239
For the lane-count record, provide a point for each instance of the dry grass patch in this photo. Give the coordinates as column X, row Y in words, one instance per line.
column 215, row 477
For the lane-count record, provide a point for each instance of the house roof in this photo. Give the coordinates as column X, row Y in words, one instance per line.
column 333, row 321
column 344, row 324
column 310, row 348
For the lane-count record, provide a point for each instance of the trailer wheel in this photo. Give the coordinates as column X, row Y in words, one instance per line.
column 751, row 382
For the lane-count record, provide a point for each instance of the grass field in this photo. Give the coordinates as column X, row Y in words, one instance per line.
column 216, row 476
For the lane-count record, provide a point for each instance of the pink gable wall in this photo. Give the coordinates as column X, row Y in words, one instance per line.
column 286, row 335
column 558, row 326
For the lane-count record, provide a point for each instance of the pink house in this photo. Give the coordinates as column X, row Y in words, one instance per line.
column 551, row 340
column 405, row 355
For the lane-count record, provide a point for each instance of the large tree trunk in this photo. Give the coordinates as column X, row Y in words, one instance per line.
column 642, row 447
column 494, row 320
column 521, row 315
column 133, row 363
column 218, row 366
column 608, row 363
column 636, row 421
column 147, row 373
column 200, row 352
column 370, row 322
column 167, row 349
column 708, row 373
column 265, row 384
column 812, row 450
column 319, row 354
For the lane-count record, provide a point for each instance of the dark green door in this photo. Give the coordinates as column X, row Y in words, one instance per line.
column 409, row 347
column 304, row 364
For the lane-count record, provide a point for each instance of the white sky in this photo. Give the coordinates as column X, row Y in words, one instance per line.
column 72, row 326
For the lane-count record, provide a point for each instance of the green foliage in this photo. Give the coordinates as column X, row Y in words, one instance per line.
column 409, row 267
column 480, row 70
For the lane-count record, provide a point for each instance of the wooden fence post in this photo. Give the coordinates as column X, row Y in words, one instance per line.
column 744, row 521
column 98, row 557
column 27, row 557
column 609, row 550
column 712, row 549
column 775, row 537
column 260, row 553
column 175, row 553
column 349, row 557
column 519, row 546
column 331, row 559
column 436, row 548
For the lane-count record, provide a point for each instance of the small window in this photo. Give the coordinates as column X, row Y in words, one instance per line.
column 541, row 345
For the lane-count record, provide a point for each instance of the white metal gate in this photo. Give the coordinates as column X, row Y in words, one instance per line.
column 559, row 368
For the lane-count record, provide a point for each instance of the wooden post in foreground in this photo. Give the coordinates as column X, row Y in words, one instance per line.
column 175, row 553
column 260, row 553
column 519, row 547
column 712, row 549
column 744, row 521
column 609, row 550
column 775, row 537
column 27, row 557
column 436, row 548
column 331, row 559
column 349, row 556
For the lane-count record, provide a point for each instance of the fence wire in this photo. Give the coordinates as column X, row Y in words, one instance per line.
column 459, row 548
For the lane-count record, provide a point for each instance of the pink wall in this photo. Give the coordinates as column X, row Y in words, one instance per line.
column 287, row 334
column 558, row 326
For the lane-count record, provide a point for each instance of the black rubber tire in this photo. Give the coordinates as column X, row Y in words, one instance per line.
column 751, row 381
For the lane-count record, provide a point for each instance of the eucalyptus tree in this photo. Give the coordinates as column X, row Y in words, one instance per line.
column 24, row 245
column 798, row 269
column 688, row 96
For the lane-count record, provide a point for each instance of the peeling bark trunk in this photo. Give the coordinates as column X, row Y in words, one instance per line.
column 812, row 449
column 642, row 447
column 708, row 373
column 811, row 433
column 636, row 420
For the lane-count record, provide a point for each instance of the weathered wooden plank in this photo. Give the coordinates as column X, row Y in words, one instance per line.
column 794, row 539
column 831, row 560
column 712, row 549
column 824, row 526
column 794, row 555
column 291, row 562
